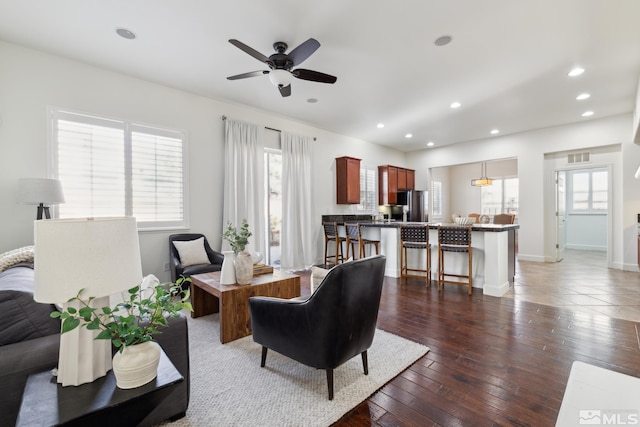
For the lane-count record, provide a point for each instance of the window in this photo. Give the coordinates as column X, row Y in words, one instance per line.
column 115, row 168
column 589, row 191
column 273, row 199
column 368, row 196
column 436, row 199
column 500, row 197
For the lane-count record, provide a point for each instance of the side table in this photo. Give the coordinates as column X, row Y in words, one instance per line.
column 100, row 403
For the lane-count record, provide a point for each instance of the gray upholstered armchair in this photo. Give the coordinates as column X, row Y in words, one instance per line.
column 336, row 323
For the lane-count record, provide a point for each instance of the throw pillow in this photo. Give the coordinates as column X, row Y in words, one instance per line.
column 317, row 275
column 191, row 252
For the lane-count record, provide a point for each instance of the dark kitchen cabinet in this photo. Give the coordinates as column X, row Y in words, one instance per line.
column 347, row 180
column 392, row 179
column 387, row 185
column 411, row 179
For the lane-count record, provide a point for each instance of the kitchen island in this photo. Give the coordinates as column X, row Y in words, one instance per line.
column 493, row 246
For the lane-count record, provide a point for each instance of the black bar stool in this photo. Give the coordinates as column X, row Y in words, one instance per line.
column 331, row 236
column 454, row 238
column 354, row 236
column 414, row 237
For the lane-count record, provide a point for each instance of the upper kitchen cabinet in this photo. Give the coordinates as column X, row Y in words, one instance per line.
column 347, row 180
column 411, row 179
column 387, row 185
column 402, row 179
column 392, row 179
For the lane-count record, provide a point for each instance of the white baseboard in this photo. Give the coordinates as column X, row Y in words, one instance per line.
column 496, row 291
column 587, row 247
column 535, row 258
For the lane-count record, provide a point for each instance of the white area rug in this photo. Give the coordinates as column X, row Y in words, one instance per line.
column 228, row 387
column 598, row 396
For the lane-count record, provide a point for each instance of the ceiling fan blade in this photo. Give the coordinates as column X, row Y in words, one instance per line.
column 251, row 51
column 314, row 76
column 285, row 90
column 246, row 75
column 302, row 52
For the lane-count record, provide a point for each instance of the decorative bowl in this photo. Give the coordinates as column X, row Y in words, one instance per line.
column 465, row 220
column 256, row 257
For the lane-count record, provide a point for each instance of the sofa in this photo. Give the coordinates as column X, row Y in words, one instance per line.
column 30, row 339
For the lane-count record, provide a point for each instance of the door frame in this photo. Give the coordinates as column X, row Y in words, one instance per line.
column 608, row 166
column 561, row 213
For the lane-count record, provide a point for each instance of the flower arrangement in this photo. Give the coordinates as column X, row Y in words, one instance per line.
column 132, row 321
column 238, row 240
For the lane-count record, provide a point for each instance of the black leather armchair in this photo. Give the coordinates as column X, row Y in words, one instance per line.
column 336, row 323
column 178, row 270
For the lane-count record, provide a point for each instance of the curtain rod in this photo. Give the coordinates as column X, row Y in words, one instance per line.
column 266, row 127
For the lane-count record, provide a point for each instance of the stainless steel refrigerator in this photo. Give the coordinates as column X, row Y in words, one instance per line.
column 417, row 203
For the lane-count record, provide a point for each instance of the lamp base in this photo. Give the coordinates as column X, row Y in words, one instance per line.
column 42, row 209
column 82, row 358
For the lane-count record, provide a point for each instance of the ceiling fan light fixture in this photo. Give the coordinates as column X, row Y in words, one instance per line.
column 280, row 78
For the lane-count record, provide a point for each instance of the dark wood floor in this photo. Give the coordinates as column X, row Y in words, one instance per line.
column 493, row 361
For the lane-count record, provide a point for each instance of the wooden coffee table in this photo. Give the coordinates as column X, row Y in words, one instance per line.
column 232, row 301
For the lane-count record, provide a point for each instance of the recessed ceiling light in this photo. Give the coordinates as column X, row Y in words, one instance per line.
column 380, row 125
column 312, row 100
column 455, row 104
column 408, row 135
column 495, row 131
column 430, row 144
column 443, row 41
column 124, row 33
column 576, row 72
column 583, row 96
column 587, row 114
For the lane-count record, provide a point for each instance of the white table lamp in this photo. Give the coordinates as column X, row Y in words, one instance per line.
column 42, row 192
column 101, row 255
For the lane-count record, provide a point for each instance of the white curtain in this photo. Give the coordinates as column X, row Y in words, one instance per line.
column 298, row 225
column 244, row 180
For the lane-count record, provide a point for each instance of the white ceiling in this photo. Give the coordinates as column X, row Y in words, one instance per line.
column 507, row 63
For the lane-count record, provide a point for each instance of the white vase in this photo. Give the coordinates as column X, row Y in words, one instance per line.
column 228, row 271
column 136, row 365
column 244, row 268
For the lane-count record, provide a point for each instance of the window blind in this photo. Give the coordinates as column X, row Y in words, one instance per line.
column 368, row 196
column 116, row 168
column 436, row 198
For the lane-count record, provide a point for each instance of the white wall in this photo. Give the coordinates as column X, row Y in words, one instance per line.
column 32, row 80
column 529, row 148
column 636, row 117
column 586, row 232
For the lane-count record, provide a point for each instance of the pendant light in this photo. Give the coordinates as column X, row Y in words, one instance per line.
column 483, row 180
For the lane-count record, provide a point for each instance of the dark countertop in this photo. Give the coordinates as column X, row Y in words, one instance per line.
column 434, row 225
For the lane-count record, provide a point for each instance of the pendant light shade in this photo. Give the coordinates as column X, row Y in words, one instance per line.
column 483, row 180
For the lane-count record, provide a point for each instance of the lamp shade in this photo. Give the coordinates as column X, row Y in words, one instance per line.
column 101, row 255
column 33, row 191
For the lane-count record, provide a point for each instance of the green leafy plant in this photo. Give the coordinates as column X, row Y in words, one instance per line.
column 132, row 321
column 238, row 240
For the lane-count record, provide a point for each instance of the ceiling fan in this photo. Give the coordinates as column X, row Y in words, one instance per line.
column 281, row 64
